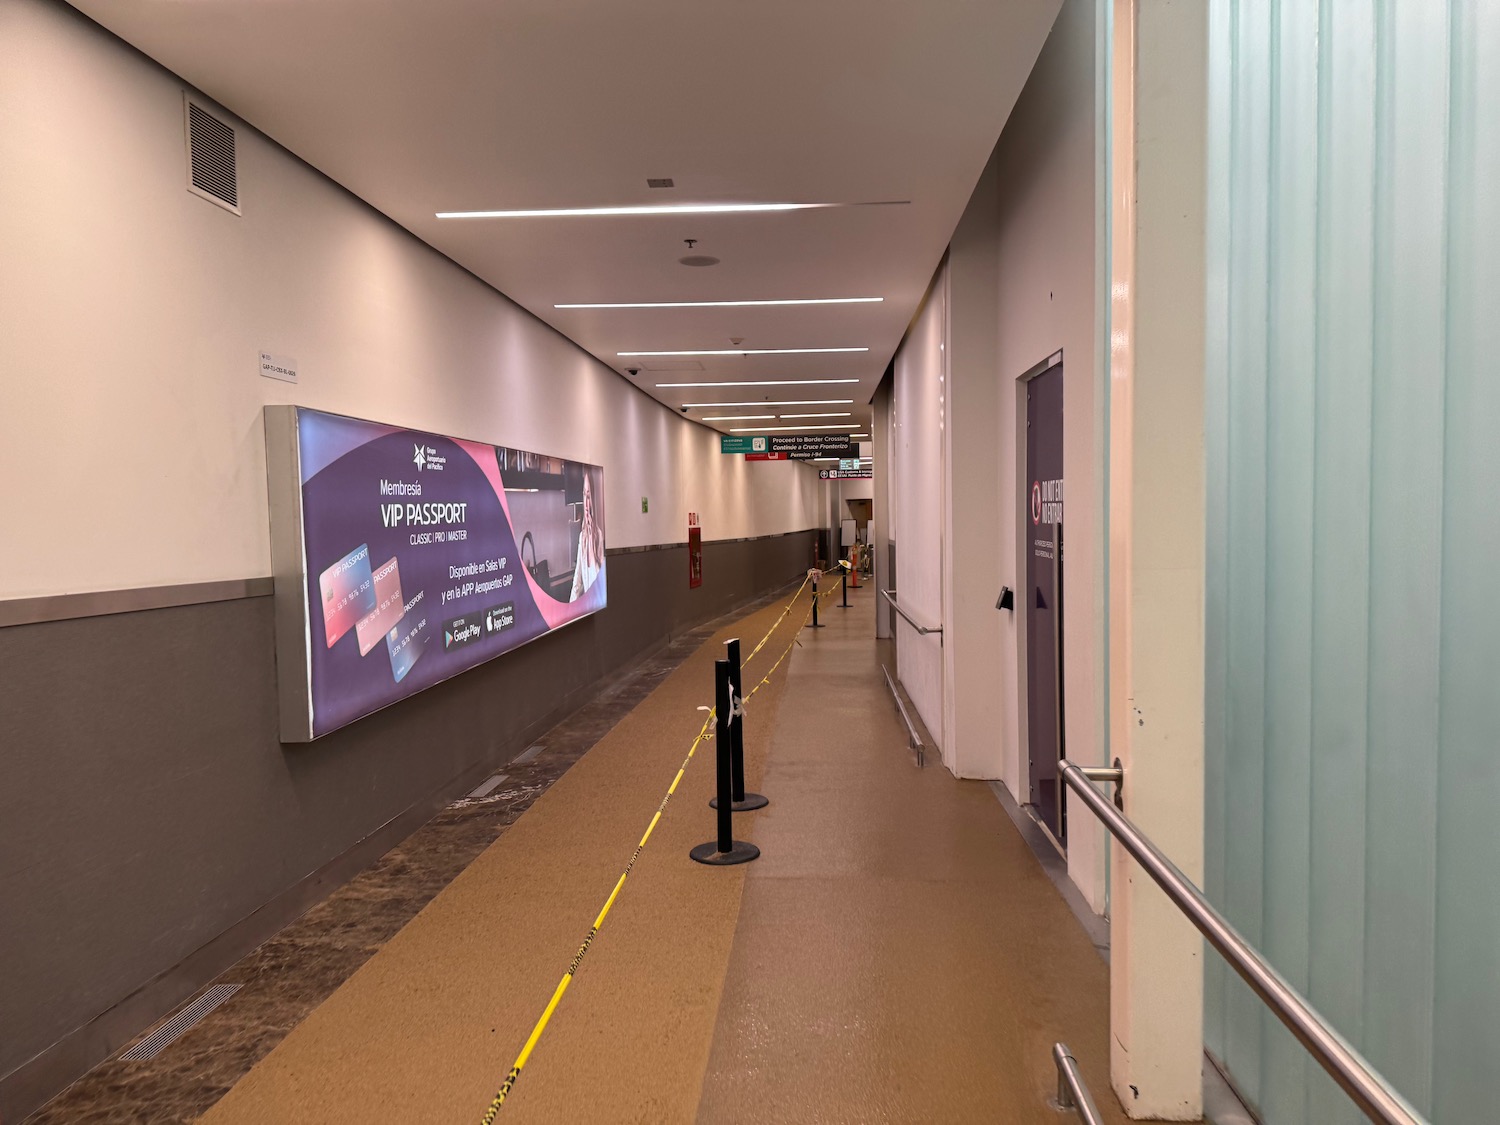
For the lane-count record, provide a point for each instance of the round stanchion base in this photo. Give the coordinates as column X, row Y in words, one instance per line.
column 752, row 801
column 816, row 625
column 710, row 854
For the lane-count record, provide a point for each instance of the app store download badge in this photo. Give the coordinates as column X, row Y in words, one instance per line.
column 499, row 618
column 461, row 631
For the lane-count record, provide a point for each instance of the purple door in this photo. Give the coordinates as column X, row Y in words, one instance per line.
column 1043, row 508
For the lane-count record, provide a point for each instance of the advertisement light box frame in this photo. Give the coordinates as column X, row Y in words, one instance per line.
column 402, row 558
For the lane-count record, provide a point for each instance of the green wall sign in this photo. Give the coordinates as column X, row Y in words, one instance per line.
column 729, row 443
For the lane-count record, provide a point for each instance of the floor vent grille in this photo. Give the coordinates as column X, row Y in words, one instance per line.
column 487, row 787
column 177, row 1026
column 529, row 753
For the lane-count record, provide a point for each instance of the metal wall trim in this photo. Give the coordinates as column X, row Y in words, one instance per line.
column 611, row 552
column 101, row 603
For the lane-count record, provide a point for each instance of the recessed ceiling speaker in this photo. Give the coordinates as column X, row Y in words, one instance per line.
column 699, row 260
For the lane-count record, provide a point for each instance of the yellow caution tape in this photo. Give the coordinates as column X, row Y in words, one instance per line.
column 704, row 735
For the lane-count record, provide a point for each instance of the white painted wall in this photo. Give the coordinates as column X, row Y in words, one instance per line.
column 882, row 440
column 857, row 489
column 1020, row 283
column 132, row 314
column 917, row 487
column 1046, row 174
column 975, row 566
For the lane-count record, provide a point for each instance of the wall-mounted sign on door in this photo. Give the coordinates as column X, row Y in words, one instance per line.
column 1046, row 501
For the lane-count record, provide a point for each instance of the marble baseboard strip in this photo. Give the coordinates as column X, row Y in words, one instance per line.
column 100, row 603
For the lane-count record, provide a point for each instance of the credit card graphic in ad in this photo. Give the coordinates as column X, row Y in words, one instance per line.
column 388, row 610
column 407, row 640
column 348, row 592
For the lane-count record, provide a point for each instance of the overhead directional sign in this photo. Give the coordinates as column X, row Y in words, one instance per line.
column 810, row 445
column 729, row 443
column 766, row 456
column 846, row 474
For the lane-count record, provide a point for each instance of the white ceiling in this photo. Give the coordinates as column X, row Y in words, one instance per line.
column 446, row 105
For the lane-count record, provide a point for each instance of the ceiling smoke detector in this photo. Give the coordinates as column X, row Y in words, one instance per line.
column 736, row 340
column 699, row 260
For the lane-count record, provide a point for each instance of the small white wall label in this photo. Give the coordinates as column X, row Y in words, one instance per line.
column 278, row 367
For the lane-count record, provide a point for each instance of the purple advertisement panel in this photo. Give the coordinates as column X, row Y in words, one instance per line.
column 425, row 555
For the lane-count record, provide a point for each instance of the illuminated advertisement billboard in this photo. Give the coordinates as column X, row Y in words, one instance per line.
column 402, row 558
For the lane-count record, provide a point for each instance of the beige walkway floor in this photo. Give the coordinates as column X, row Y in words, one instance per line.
column 898, row 954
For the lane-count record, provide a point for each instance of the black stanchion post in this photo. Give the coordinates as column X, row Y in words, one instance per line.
column 844, row 582
column 725, row 849
column 815, row 624
column 740, row 800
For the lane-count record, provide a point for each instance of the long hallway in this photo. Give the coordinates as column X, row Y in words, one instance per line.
column 404, row 404
column 896, row 954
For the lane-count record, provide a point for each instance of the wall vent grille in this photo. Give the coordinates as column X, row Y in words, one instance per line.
column 212, row 171
column 177, row 1026
column 660, row 182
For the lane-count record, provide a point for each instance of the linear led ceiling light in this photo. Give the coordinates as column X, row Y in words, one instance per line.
column 750, row 351
column 738, row 418
column 724, row 304
column 831, row 414
column 859, row 435
column 638, row 209
column 783, row 429
column 788, row 402
column 762, row 383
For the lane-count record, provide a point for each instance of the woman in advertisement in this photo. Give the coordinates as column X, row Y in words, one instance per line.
column 590, row 543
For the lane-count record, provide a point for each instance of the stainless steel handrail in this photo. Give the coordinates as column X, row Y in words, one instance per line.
column 1071, row 1092
column 913, row 739
column 1101, row 773
column 1344, row 1064
column 890, row 596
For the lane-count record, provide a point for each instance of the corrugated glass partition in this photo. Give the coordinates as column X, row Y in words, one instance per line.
column 1353, row 616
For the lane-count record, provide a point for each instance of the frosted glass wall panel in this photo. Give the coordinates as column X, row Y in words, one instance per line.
column 1353, row 432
